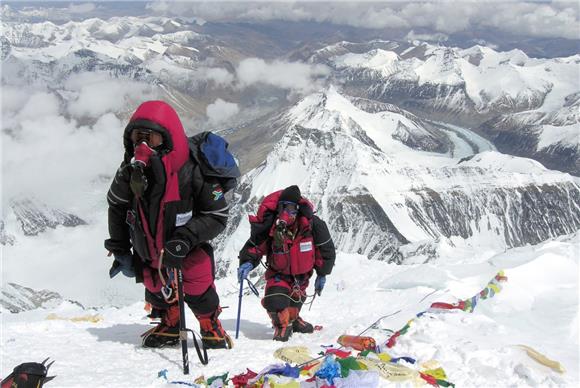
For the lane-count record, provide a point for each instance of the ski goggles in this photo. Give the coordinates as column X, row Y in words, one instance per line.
column 152, row 138
column 290, row 207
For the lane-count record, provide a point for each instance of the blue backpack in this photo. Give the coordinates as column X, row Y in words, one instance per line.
column 210, row 151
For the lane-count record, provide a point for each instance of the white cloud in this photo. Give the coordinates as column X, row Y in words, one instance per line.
column 54, row 159
column 13, row 98
column 158, row 6
column 220, row 76
column 81, row 8
column 536, row 20
column 437, row 37
column 295, row 76
column 38, row 105
column 540, row 19
column 220, row 111
column 97, row 93
column 49, row 152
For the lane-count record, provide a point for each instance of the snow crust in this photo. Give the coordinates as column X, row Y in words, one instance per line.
column 538, row 307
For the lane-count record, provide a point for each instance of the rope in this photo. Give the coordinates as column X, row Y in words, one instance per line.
column 368, row 328
column 361, row 333
column 168, row 289
column 300, row 300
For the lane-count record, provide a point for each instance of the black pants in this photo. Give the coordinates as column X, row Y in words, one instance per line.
column 283, row 291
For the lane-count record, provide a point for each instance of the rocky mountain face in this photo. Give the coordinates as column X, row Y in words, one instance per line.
column 390, row 201
column 5, row 237
column 16, row 298
column 32, row 218
column 552, row 137
column 375, row 155
column 158, row 52
column 177, row 59
column 511, row 99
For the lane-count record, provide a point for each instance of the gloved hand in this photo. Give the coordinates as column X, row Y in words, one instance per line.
column 249, row 255
column 244, row 271
column 319, row 284
column 174, row 253
column 122, row 263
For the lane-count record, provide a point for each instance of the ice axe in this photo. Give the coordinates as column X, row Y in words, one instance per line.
column 183, row 330
column 240, row 295
column 175, row 281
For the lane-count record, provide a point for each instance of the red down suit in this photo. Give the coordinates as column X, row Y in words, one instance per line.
column 310, row 248
column 179, row 202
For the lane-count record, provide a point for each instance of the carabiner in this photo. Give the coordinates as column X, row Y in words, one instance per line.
column 253, row 288
column 167, row 292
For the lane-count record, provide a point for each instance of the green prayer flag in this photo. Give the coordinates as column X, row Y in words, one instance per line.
column 348, row 364
column 223, row 378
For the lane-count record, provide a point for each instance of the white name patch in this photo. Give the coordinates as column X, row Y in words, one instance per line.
column 306, row 246
column 181, row 219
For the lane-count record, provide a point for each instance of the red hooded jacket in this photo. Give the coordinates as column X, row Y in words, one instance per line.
column 179, row 200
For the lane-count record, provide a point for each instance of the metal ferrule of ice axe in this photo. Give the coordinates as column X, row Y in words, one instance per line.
column 241, row 294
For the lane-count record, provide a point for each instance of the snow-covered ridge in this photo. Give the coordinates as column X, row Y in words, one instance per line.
column 331, row 110
column 116, row 37
column 487, row 75
column 525, row 106
column 380, row 195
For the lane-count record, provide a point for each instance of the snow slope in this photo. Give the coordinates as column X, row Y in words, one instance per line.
column 538, row 307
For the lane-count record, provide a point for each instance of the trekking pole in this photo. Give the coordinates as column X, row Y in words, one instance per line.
column 239, row 307
column 182, row 326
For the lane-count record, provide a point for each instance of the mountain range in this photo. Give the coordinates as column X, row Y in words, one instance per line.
column 407, row 148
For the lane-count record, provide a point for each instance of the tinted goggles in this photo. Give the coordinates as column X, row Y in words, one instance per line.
column 289, row 207
column 152, row 138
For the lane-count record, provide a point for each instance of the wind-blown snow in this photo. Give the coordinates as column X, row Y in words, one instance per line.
column 538, row 307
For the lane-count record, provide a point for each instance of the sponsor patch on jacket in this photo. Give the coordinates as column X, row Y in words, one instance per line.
column 182, row 218
column 217, row 192
column 306, row 246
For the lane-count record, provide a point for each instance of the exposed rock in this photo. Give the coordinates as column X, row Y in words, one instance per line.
column 16, row 298
column 36, row 218
column 5, row 238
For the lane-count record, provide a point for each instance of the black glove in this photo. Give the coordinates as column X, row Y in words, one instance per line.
column 245, row 255
column 124, row 264
column 174, row 253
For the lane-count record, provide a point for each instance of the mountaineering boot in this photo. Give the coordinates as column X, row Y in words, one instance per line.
column 166, row 333
column 213, row 334
column 281, row 323
column 299, row 325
